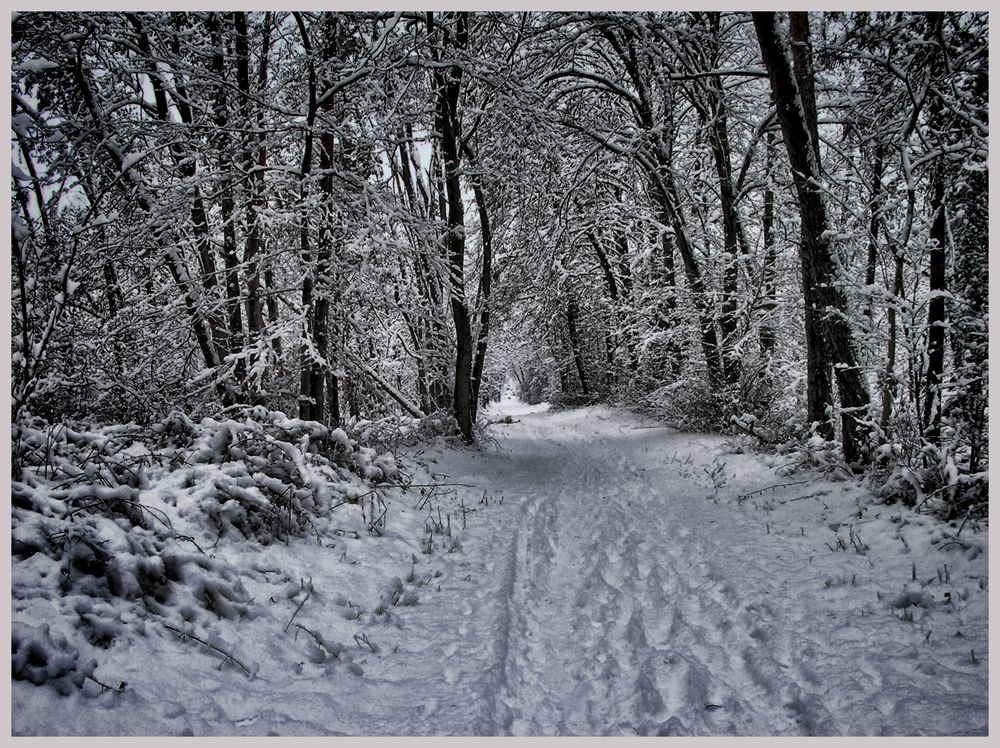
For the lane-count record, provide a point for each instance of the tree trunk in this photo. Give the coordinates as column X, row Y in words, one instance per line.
column 447, row 82
column 227, row 203
column 769, row 307
column 187, row 168
column 319, row 367
column 611, row 341
column 828, row 336
column 873, row 222
column 936, row 320
column 162, row 233
column 718, row 134
column 486, row 285
column 308, row 407
column 254, row 162
column 572, row 313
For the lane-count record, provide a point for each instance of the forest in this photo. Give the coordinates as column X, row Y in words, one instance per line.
column 259, row 258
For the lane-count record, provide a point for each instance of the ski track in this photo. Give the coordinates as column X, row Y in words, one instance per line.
column 619, row 609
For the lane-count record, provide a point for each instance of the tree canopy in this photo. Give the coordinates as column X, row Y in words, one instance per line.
column 770, row 223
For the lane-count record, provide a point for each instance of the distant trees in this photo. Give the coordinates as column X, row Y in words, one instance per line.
column 354, row 214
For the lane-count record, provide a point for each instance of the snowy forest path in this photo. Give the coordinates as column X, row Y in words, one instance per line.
column 619, row 623
column 588, row 572
column 618, row 596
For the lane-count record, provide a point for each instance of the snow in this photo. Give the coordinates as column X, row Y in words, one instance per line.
column 131, row 159
column 21, row 124
column 591, row 573
column 34, row 64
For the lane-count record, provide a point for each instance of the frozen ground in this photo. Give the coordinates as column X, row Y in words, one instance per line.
column 595, row 575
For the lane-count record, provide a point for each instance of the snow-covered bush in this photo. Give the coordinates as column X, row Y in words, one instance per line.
column 930, row 480
column 687, row 404
column 533, row 385
column 392, row 432
column 40, row 655
column 118, row 522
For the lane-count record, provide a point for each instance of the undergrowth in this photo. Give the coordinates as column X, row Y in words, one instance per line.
column 121, row 522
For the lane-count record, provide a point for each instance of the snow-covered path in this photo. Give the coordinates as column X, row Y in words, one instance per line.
column 623, row 599
column 603, row 576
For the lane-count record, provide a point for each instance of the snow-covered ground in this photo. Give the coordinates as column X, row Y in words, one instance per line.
column 590, row 573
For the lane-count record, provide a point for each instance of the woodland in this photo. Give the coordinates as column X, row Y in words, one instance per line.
column 297, row 240
column 349, row 215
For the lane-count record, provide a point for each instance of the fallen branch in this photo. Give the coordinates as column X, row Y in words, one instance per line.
column 365, row 369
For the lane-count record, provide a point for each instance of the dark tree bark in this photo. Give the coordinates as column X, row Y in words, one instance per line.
column 254, row 163
column 572, row 315
column 626, row 323
column 936, row 320
column 427, row 330
column 936, row 312
column 187, row 169
column 308, row 406
column 658, row 166
column 486, row 286
column 769, row 305
column 716, row 117
column 875, row 206
column 970, row 331
column 611, row 343
column 828, row 336
column 162, row 235
column 668, row 301
column 324, row 248
column 602, row 258
column 447, row 84
column 227, row 205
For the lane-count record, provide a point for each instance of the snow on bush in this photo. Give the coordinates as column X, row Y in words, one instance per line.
column 39, row 655
column 117, row 524
column 931, row 480
column 392, row 432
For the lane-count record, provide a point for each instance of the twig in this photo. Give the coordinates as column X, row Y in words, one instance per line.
column 105, row 502
column 189, row 539
column 950, row 543
column 967, row 515
column 319, row 640
column 308, row 595
column 773, row 488
column 226, row 656
column 807, row 496
column 105, row 687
